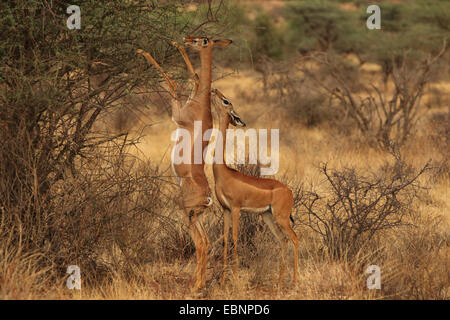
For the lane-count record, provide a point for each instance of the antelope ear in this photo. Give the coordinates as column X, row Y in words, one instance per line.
column 222, row 43
column 236, row 119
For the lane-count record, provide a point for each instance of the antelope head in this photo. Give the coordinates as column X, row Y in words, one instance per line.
column 203, row 43
column 226, row 109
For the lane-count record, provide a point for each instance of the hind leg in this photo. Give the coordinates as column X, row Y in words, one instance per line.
column 279, row 235
column 198, row 235
column 204, row 256
column 284, row 223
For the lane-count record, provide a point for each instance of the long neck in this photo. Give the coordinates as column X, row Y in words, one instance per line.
column 223, row 125
column 204, row 89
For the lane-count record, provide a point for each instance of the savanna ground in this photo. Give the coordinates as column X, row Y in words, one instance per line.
column 363, row 145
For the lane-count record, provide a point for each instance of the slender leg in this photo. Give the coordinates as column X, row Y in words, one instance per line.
column 172, row 86
column 290, row 233
column 279, row 235
column 198, row 242
column 235, row 226
column 204, row 261
column 283, row 261
column 176, row 107
column 190, row 68
column 273, row 226
column 226, row 230
column 186, row 58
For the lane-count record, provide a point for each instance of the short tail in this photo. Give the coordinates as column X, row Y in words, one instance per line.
column 292, row 219
column 209, row 201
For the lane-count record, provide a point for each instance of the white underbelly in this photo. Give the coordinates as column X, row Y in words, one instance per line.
column 246, row 209
column 255, row 210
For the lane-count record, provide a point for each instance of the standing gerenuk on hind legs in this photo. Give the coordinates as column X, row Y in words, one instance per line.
column 195, row 191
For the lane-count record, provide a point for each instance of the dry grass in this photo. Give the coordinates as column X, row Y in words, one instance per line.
column 413, row 259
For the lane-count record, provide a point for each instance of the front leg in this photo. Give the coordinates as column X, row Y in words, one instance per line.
column 235, row 212
column 188, row 62
column 196, row 235
column 176, row 105
column 226, row 229
column 190, row 68
column 170, row 82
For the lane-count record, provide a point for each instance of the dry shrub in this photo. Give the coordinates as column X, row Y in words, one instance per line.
column 380, row 116
column 293, row 93
column 354, row 208
column 138, row 109
column 108, row 211
column 115, row 213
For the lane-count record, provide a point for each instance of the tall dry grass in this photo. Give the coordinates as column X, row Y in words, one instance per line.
column 117, row 218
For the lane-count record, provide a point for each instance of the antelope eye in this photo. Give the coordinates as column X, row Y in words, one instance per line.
column 195, row 41
column 205, row 42
column 225, row 102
